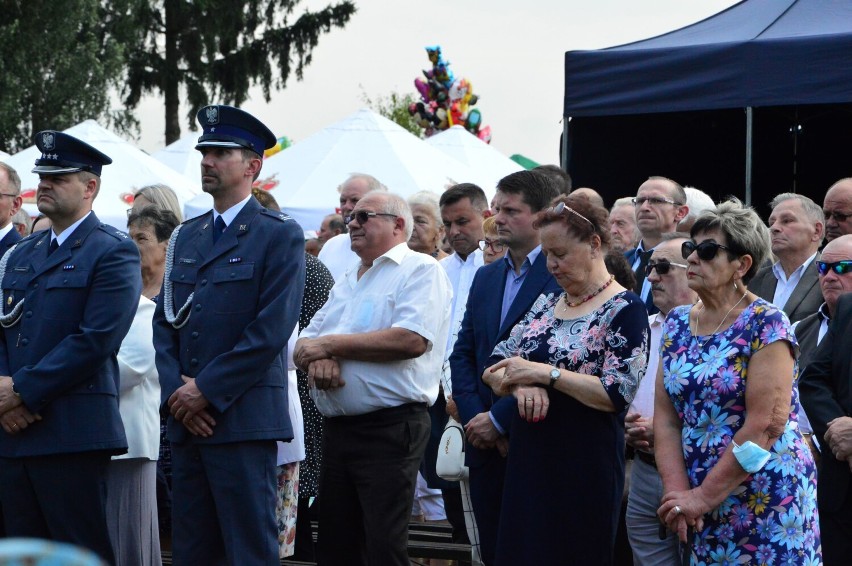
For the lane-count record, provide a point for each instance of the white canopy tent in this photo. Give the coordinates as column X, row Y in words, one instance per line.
column 131, row 169
column 304, row 178
column 486, row 163
column 182, row 156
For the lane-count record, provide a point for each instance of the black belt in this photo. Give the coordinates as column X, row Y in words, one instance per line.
column 381, row 414
column 647, row 458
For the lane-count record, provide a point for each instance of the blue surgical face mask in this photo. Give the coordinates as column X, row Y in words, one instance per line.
column 751, row 457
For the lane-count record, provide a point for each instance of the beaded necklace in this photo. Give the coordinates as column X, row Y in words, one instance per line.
column 590, row 296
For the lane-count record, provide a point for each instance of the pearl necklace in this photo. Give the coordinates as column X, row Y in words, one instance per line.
column 724, row 318
column 589, row 296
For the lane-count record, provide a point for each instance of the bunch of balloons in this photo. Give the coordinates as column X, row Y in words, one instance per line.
column 282, row 143
column 445, row 100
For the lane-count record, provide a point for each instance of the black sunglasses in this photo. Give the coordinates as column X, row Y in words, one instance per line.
column 707, row 250
column 362, row 216
column 838, row 216
column 839, row 267
column 662, row 266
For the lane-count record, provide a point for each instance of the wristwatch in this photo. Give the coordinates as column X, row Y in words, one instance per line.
column 554, row 377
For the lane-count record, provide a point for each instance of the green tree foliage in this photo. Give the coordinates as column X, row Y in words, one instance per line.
column 58, row 64
column 215, row 50
column 394, row 107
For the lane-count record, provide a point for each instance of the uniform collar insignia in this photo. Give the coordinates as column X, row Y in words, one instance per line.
column 243, row 228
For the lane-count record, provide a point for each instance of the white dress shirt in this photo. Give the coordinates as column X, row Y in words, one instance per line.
column 460, row 272
column 786, row 285
column 139, row 386
column 402, row 289
column 338, row 257
column 229, row 215
column 643, row 402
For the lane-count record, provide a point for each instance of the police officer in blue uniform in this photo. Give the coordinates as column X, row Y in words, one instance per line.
column 69, row 295
column 231, row 297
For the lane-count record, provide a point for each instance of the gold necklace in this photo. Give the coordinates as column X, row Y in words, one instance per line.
column 724, row 318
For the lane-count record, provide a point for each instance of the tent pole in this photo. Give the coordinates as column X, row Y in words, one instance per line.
column 564, row 144
column 748, row 148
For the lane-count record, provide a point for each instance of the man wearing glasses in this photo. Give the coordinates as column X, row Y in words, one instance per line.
column 796, row 226
column 666, row 273
column 660, row 204
column 826, row 396
column 837, row 207
column 10, row 204
column 373, row 353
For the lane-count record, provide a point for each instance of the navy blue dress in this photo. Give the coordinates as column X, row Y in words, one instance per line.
column 565, row 474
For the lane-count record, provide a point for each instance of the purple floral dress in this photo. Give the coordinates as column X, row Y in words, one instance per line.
column 771, row 518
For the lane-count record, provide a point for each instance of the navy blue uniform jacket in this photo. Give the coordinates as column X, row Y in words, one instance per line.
column 248, row 292
column 481, row 331
column 78, row 305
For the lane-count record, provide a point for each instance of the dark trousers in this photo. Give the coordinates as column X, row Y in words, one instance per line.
column 223, row 504
column 836, row 532
column 486, row 495
column 369, row 471
column 58, row 497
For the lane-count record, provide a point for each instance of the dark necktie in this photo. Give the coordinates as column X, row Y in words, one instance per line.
column 644, row 257
column 218, row 227
column 54, row 245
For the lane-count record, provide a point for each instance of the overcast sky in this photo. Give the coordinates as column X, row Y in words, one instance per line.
column 512, row 53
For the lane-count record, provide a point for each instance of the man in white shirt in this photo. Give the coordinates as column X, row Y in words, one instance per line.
column 464, row 207
column 336, row 253
column 796, row 226
column 666, row 272
column 374, row 353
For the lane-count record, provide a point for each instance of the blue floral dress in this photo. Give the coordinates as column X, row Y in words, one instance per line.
column 771, row 518
column 565, row 474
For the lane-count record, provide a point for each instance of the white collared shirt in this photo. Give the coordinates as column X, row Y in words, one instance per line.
column 229, row 215
column 337, row 255
column 460, row 272
column 60, row 239
column 786, row 285
column 643, row 402
column 6, row 229
column 402, row 289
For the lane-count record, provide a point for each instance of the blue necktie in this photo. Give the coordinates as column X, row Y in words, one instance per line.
column 54, row 245
column 218, row 227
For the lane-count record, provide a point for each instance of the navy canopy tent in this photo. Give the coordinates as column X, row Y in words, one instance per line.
column 679, row 104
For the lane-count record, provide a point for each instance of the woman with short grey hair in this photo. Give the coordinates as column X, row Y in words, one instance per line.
column 739, row 481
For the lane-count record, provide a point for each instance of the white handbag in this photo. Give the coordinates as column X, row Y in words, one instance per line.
column 450, row 463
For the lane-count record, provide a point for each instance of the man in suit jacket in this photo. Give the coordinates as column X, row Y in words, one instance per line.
column 69, row 295
column 826, row 394
column 659, row 205
column 231, row 297
column 797, row 227
column 500, row 296
column 10, row 204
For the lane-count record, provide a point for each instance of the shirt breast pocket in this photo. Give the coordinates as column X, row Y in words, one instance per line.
column 183, row 283
column 371, row 312
column 235, row 288
column 65, row 296
column 14, row 289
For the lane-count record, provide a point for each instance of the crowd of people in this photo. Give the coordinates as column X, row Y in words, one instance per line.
column 670, row 369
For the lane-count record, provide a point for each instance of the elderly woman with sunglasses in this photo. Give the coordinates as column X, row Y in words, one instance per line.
column 739, row 481
column 573, row 364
